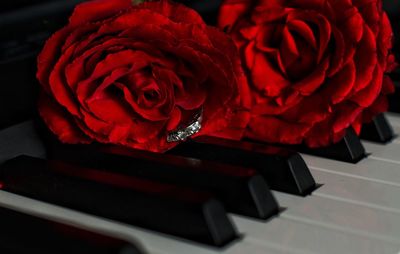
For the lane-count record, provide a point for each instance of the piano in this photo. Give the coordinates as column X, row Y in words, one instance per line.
column 354, row 207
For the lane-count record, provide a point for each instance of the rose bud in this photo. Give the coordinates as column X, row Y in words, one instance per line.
column 144, row 76
column 315, row 68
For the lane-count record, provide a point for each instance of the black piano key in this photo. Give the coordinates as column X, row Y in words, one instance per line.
column 20, row 139
column 17, row 106
column 379, row 130
column 207, row 9
column 160, row 207
column 349, row 149
column 282, row 169
column 241, row 190
column 394, row 102
column 22, row 233
column 25, row 29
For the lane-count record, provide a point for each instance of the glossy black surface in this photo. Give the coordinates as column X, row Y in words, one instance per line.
column 161, row 207
column 24, row 29
column 26, row 234
column 349, row 149
column 393, row 10
column 394, row 101
column 379, row 130
column 241, row 190
column 282, row 169
column 207, row 9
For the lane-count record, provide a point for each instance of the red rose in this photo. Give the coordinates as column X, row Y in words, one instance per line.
column 132, row 75
column 315, row 67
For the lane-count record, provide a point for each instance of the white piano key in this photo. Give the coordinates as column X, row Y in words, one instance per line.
column 368, row 169
column 361, row 220
column 389, row 152
column 357, row 191
column 151, row 241
column 393, row 118
column 293, row 235
column 396, row 129
column 396, row 140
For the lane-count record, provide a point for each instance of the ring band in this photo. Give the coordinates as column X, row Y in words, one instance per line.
column 182, row 134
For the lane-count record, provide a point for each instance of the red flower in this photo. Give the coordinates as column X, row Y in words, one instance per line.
column 315, row 67
column 130, row 75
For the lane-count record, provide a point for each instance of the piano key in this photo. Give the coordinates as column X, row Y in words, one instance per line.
column 208, row 11
column 389, row 152
column 241, row 190
column 20, row 139
column 156, row 206
column 369, row 169
column 358, row 191
column 293, row 235
column 154, row 242
column 394, row 119
column 349, row 149
column 37, row 12
column 257, row 249
column 394, row 104
column 286, row 236
column 396, row 139
column 349, row 217
column 379, row 130
column 283, row 170
column 22, row 233
column 273, row 243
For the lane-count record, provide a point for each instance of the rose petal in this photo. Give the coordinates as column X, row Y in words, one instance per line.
column 266, row 78
column 275, row 130
column 304, row 30
column 269, row 12
column 324, row 27
column 312, row 82
column 352, row 24
column 97, row 10
column 305, row 111
column 230, row 12
column 339, row 86
column 337, row 60
column 152, row 113
column 288, row 48
column 384, row 39
column 190, row 97
column 367, row 96
column 59, row 87
column 346, row 115
column 48, row 56
column 127, row 59
column 365, row 59
column 60, row 122
column 274, row 106
column 304, row 64
column 175, row 119
column 111, row 109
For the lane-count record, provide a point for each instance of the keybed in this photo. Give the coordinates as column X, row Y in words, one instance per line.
column 356, row 210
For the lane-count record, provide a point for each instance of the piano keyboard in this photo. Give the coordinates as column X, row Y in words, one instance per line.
column 356, row 210
column 43, row 236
